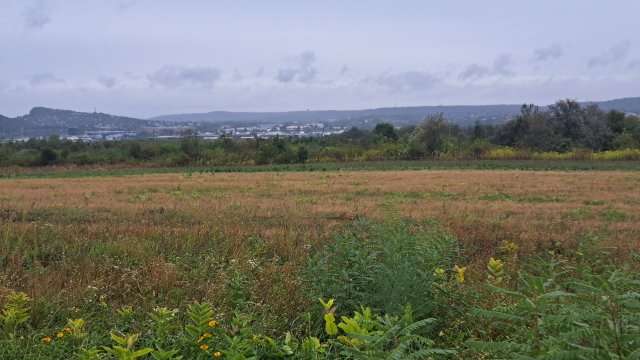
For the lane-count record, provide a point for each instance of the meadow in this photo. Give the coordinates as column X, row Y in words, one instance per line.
column 111, row 250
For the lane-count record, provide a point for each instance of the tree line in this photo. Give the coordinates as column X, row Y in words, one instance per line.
column 566, row 127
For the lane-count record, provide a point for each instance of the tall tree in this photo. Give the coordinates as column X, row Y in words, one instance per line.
column 385, row 132
column 429, row 138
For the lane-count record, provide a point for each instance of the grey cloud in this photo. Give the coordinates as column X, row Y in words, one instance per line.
column 173, row 76
column 635, row 64
column 611, row 55
column 344, row 69
column 36, row 15
column 500, row 67
column 407, row 81
column 474, row 71
column 286, row 75
column 551, row 52
column 107, row 81
column 43, row 79
column 302, row 69
column 501, row 64
column 124, row 5
column 237, row 75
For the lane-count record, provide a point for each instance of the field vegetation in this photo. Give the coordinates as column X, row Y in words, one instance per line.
column 408, row 264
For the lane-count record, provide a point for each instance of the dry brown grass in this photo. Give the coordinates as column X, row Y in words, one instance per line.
column 169, row 237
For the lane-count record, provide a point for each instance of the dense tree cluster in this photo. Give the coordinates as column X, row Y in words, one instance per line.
column 563, row 127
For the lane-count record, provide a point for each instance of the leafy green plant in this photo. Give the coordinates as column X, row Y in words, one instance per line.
column 14, row 314
column 89, row 354
column 368, row 336
column 590, row 316
column 164, row 321
column 201, row 316
column 161, row 354
column 124, row 348
column 495, row 271
column 75, row 327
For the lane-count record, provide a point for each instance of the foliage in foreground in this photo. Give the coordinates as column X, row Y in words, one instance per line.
column 559, row 306
column 590, row 316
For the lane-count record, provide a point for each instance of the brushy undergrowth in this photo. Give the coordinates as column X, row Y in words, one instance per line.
column 383, row 265
column 395, row 290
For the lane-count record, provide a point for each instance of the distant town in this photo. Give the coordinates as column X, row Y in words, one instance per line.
column 262, row 131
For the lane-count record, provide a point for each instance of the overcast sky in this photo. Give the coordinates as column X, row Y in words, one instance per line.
column 151, row 57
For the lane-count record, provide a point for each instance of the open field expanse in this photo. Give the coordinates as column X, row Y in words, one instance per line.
column 75, row 230
column 79, row 245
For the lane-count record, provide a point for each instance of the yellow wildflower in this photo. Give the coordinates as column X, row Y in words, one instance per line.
column 460, row 273
column 213, row 323
column 46, row 340
column 439, row 272
column 68, row 330
column 206, row 335
column 204, row 347
column 217, row 354
column 60, row 335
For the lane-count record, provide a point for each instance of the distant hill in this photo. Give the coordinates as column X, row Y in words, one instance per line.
column 463, row 115
column 44, row 122
column 631, row 105
column 398, row 115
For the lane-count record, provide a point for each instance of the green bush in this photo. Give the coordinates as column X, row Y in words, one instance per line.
column 384, row 265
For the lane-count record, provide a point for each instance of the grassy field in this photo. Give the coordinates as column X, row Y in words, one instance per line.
column 398, row 165
column 88, row 245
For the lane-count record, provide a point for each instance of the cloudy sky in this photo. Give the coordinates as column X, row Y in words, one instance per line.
column 150, row 57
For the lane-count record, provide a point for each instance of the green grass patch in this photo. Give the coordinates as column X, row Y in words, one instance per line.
column 500, row 196
column 399, row 165
column 612, row 214
column 593, row 202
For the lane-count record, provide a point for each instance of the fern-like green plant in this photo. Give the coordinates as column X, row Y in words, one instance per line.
column 14, row 313
column 124, row 348
column 163, row 319
column 161, row 354
column 368, row 336
column 589, row 317
column 201, row 317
